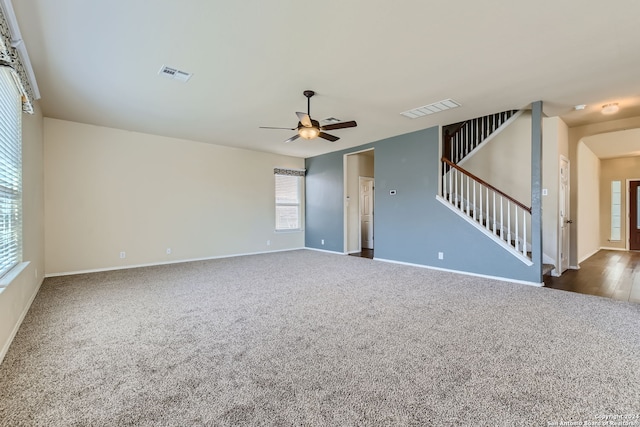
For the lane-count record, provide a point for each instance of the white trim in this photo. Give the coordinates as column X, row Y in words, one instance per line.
column 152, row 264
column 589, row 255
column 325, row 251
column 486, row 232
column 14, row 331
column 465, row 273
column 360, row 179
column 628, row 217
column 606, row 248
column 345, row 208
column 12, row 274
column 18, row 44
column 558, row 261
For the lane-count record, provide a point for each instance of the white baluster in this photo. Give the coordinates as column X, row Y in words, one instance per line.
column 486, row 217
column 494, row 213
column 480, row 212
column 509, row 222
column 524, row 232
column 475, row 208
column 515, row 215
column 455, row 171
column 450, row 184
column 468, row 194
column 501, row 219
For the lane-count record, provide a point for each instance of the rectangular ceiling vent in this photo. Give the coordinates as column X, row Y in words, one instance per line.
column 174, row 74
column 436, row 107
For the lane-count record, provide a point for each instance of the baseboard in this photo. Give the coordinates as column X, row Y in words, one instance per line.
column 588, row 256
column 126, row 267
column 466, row 273
column 613, row 249
column 324, row 250
column 5, row 347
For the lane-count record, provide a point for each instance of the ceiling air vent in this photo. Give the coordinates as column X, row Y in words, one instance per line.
column 436, row 107
column 174, row 73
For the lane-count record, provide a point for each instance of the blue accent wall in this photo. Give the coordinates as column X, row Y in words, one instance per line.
column 411, row 226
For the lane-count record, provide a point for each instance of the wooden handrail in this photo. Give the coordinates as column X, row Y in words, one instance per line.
column 486, row 184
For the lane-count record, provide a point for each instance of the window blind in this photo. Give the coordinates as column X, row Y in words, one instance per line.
column 10, row 172
column 288, row 197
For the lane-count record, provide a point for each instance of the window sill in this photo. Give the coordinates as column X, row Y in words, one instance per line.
column 12, row 274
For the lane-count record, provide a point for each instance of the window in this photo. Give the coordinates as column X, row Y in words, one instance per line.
column 616, row 197
column 288, row 199
column 10, row 172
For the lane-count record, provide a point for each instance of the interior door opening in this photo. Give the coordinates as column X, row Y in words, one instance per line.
column 359, row 203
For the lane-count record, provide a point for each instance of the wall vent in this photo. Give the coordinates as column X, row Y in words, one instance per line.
column 436, row 107
column 174, row 74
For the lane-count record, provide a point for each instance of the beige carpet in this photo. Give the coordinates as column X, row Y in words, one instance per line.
column 316, row 339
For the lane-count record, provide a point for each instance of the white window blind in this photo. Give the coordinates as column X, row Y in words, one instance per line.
column 10, row 172
column 616, row 199
column 288, row 201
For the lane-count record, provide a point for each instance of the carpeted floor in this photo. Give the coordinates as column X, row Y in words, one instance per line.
column 316, row 339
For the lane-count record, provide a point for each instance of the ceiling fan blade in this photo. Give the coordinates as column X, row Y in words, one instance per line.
column 342, row 125
column 304, row 119
column 328, row 137
column 269, row 127
column 293, row 138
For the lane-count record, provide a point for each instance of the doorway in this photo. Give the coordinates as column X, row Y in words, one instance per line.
column 366, row 185
column 359, row 191
column 564, row 198
column 634, row 215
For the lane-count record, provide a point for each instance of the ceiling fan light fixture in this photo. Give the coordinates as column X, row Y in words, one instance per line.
column 308, row 132
column 610, row 108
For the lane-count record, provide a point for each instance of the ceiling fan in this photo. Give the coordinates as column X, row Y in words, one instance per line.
column 309, row 129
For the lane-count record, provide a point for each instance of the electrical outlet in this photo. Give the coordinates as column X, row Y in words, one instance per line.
column 322, row 242
column 168, row 251
column 123, row 255
column 440, row 255
column 268, row 242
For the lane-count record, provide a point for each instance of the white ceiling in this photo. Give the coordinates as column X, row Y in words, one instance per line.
column 610, row 145
column 96, row 62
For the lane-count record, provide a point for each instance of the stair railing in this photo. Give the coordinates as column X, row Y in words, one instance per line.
column 496, row 211
column 462, row 138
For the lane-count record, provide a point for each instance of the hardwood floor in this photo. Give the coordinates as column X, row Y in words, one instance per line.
column 366, row 253
column 611, row 274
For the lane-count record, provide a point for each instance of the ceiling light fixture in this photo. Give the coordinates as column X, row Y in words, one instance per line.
column 580, row 107
column 308, row 132
column 610, row 108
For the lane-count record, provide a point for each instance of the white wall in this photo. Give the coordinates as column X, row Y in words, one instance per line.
column 109, row 191
column 15, row 299
column 505, row 162
column 555, row 143
column 588, row 212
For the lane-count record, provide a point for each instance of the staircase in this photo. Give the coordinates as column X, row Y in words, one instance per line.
column 462, row 139
column 498, row 215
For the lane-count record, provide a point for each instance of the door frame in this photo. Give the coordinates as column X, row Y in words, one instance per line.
column 559, row 265
column 627, row 199
column 373, row 217
column 345, row 201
